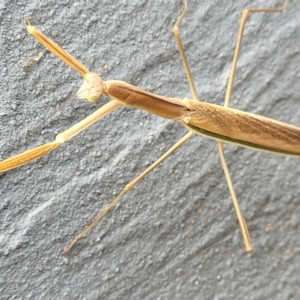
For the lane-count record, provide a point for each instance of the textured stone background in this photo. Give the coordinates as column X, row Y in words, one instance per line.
column 175, row 236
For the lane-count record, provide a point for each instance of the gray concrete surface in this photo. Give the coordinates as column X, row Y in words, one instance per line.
column 175, row 236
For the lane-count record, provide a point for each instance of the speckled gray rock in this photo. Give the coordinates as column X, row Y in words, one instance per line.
column 175, row 236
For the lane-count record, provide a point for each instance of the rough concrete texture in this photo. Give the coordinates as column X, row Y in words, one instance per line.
column 175, row 236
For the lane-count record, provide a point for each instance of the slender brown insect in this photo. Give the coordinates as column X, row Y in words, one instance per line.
column 222, row 124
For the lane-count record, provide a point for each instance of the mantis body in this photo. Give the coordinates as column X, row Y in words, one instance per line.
column 222, row 124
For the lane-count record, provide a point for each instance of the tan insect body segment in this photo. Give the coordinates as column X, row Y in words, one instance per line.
column 92, row 87
column 129, row 95
column 243, row 128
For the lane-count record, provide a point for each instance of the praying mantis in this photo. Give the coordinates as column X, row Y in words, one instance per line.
column 193, row 126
